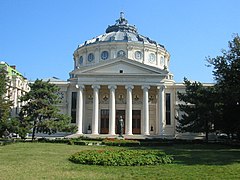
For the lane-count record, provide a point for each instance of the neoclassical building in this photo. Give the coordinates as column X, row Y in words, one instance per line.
column 121, row 73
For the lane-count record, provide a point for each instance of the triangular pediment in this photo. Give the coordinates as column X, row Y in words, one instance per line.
column 126, row 66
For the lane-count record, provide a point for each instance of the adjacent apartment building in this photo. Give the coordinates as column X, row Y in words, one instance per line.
column 18, row 86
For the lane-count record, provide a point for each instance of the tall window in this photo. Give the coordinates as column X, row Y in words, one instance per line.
column 73, row 107
column 168, row 109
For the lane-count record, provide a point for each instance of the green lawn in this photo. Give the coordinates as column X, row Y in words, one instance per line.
column 50, row 161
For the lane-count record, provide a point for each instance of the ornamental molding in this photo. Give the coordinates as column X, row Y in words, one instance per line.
column 130, row 48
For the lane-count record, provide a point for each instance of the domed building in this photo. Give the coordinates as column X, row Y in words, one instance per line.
column 121, row 73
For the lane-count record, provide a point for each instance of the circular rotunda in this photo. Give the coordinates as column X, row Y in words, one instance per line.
column 121, row 40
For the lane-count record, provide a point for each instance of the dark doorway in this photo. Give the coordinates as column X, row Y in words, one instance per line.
column 104, row 121
column 118, row 114
column 136, row 121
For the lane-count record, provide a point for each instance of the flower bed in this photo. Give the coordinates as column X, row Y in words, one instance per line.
column 121, row 157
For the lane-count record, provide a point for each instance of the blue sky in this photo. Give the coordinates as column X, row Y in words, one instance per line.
column 40, row 36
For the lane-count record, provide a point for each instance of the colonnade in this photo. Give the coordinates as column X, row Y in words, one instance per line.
column 112, row 109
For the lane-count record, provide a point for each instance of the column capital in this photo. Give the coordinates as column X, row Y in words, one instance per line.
column 161, row 87
column 145, row 87
column 80, row 86
column 95, row 86
column 112, row 87
column 129, row 87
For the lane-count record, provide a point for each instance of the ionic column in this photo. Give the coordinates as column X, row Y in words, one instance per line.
column 129, row 110
column 145, row 110
column 95, row 108
column 161, row 115
column 112, row 110
column 79, row 110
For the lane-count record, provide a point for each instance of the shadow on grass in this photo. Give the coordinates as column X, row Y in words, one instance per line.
column 201, row 154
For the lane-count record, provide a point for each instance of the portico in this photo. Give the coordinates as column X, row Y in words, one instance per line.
column 105, row 103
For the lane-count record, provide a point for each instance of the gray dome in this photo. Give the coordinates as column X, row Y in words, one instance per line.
column 121, row 40
column 121, row 31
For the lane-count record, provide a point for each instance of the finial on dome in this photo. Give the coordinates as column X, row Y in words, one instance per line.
column 122, row 20
column 121, row 15
column 121, row 25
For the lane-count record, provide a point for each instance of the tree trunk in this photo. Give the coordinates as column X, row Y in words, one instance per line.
column 206, row 138
column 206, row 130
column 33, row 133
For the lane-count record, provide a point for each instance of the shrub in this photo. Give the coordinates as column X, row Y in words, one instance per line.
column 120, row 142
column 70, row 142
column 80, row 138
column 73, row 141
column 4, row 142
column 57, row 140
column 121, row 157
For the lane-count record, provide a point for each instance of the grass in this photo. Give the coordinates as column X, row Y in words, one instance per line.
column 50, row 161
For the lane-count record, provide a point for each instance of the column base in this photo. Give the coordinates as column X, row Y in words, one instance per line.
column 120, row 137
column 129, row 134
column 95, row 133
column 162, row 133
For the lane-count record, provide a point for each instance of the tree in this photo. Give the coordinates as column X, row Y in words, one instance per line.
column 198, row 108
column 226, row 72
column 5, row 103
column 40, row 112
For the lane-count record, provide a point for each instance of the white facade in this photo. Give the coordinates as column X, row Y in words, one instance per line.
column 121, row 73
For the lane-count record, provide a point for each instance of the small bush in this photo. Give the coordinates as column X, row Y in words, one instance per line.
column 81, row 138
column 73, row 141
column 82, row 143
column 70, row 142
column 57, row 140
column 120, row 142
column 121, row 157
column 6, row 142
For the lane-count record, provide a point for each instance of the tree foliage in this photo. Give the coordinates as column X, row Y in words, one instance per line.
column 219, row 104
column 198, row 108
column 226, row 72
column 40, row 112
column 5, row 103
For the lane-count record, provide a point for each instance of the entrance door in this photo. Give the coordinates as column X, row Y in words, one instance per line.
column 104, row 121
column 118, row 114
column 136, row 121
